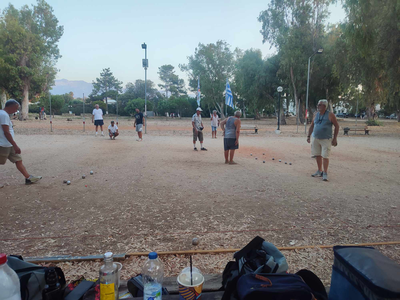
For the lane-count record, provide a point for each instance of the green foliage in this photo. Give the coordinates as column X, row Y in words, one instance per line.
column 172, row 84
column 28, row 51
column 213, row 64
column 34, row 108
column 137, row 103
column 106, row 85
column 373, row 122
column 101, row 104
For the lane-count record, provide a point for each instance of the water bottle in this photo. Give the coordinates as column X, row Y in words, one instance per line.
column 9, row 281
column 108, row 279
column 153, row 275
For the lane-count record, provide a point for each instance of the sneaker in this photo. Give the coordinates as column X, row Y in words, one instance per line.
column 204, row 149
column 111, row 137
column 325, row 176
column 195, row 148
column 32, row 179
column 317, row 174
column 102, row 134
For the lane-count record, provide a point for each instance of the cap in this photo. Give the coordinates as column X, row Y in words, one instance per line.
column 199, row 109
column 108, row 255
column 153, row 255
column 3, row 258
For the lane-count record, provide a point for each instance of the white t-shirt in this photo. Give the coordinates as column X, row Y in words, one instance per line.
column 197, row 121
column 5, row 120
column 214, row 121
column 113, row 128
column 98, row 114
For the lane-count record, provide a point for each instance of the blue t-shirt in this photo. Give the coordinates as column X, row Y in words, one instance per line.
column 139, row 118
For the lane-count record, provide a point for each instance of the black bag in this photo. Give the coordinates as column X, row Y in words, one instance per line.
column 256, row 257
column 32, row 277
column 273, row 287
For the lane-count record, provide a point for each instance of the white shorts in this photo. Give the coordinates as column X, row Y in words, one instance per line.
column 321, row 147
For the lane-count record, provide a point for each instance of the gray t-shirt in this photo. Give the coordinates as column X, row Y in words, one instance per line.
column 5, row 120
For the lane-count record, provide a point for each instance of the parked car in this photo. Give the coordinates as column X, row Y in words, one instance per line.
column 392, row 117
column 340, row 115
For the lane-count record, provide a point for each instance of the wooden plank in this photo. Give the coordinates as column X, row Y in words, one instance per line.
column 62, row 258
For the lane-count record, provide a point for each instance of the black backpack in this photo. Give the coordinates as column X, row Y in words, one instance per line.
column 256, row 257
column 32, row 277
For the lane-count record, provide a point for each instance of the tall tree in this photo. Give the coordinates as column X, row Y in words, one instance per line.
column 171, row 82
column 295, row 28
column 105, row 84
column 214, row 64
column 28, row 50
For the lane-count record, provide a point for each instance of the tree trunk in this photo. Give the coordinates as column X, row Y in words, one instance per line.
column 220, row 109
column 25, row 101
column 3, row 98
column 296, row 97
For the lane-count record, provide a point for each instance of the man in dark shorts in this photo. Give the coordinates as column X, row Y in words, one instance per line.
column 8, row 147
column 97, row 117
column 139, row 123
column 198, row 127
column 231, row 130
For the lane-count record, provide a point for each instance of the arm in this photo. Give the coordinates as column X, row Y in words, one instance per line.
column 335, row 123
column 7, row 134
column 310, row 131
column 238, row 124
column 92, row 117
column 144, row 121
column 223, row 126
column 194, row 127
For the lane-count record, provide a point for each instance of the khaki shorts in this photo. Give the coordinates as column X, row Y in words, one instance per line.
column 199, row 135
column 321, row 147
column 9, row 153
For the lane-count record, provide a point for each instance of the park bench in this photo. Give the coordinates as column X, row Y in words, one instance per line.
column 355, row 129
column 250, row 128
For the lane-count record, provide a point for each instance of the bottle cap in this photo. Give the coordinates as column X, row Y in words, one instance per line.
column 153, row 255
column 3, row 258
column 108, row 255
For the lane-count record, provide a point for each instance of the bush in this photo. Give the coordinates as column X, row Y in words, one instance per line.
column 374, row 123
column 137, row 103
column 34, row 108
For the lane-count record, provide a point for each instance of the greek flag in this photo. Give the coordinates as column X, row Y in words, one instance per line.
column 198, row 91
column 228, row 95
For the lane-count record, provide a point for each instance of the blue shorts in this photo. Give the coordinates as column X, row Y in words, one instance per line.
column 213, row 128
column 229, row 144
column 98, row 122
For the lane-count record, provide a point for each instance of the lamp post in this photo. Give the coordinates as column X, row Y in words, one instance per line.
column 83, row 111
column 279, row 89
column 319, row 51
column 51, row 121
column 145, row 64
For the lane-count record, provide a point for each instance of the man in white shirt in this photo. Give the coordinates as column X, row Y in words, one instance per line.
column 214, row 124
column 8, row 147
column 198, row 127
column 97, row 118
column 113, row 131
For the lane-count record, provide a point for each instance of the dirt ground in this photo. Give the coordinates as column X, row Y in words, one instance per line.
column 158, row 194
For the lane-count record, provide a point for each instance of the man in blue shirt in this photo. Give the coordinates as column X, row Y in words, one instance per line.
column 139, row 123
column 321, row 131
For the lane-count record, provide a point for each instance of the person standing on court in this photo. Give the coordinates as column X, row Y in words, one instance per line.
column 8, row 147
column 139, row 123
column 97, row 117
column 214, row 124
column 198, row 127
column 231, row 131
column 321, row 131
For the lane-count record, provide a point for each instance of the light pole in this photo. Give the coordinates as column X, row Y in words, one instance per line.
column 319, row 51
column 145, row 64
column 279, row 89
column 51, row 121
column 83, row 111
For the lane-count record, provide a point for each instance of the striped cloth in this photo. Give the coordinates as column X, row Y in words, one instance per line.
column 228, row 95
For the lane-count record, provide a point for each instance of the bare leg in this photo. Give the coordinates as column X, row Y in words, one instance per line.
column 231, row 155
column 140, row 134
column 97, row 127
column 21, row 168
column 101, row 127
column 226, row 153
column 319, row 162
column 326, row 164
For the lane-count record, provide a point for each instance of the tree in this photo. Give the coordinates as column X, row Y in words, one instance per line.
column 28, row 51
column 295, row 28
column 137, row 103
column 106, row 84
column 214, row 64
column 172, row 83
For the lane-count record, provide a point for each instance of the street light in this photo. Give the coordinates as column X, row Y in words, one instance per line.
column 319, row 51
column 145, row 64
column 280, row 90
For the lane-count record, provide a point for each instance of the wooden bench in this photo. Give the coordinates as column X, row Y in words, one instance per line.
column 356, row 128
column 252, row 128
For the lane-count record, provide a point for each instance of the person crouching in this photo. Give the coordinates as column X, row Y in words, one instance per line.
column 113, row 131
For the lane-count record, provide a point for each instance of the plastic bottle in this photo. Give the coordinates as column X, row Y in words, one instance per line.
column 9, row 281
column 108, row 278
column 153, row 275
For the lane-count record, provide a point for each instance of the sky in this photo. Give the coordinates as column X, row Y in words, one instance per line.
column 108, row 34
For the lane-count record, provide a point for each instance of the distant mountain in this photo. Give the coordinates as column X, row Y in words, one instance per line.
column 78, row 87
